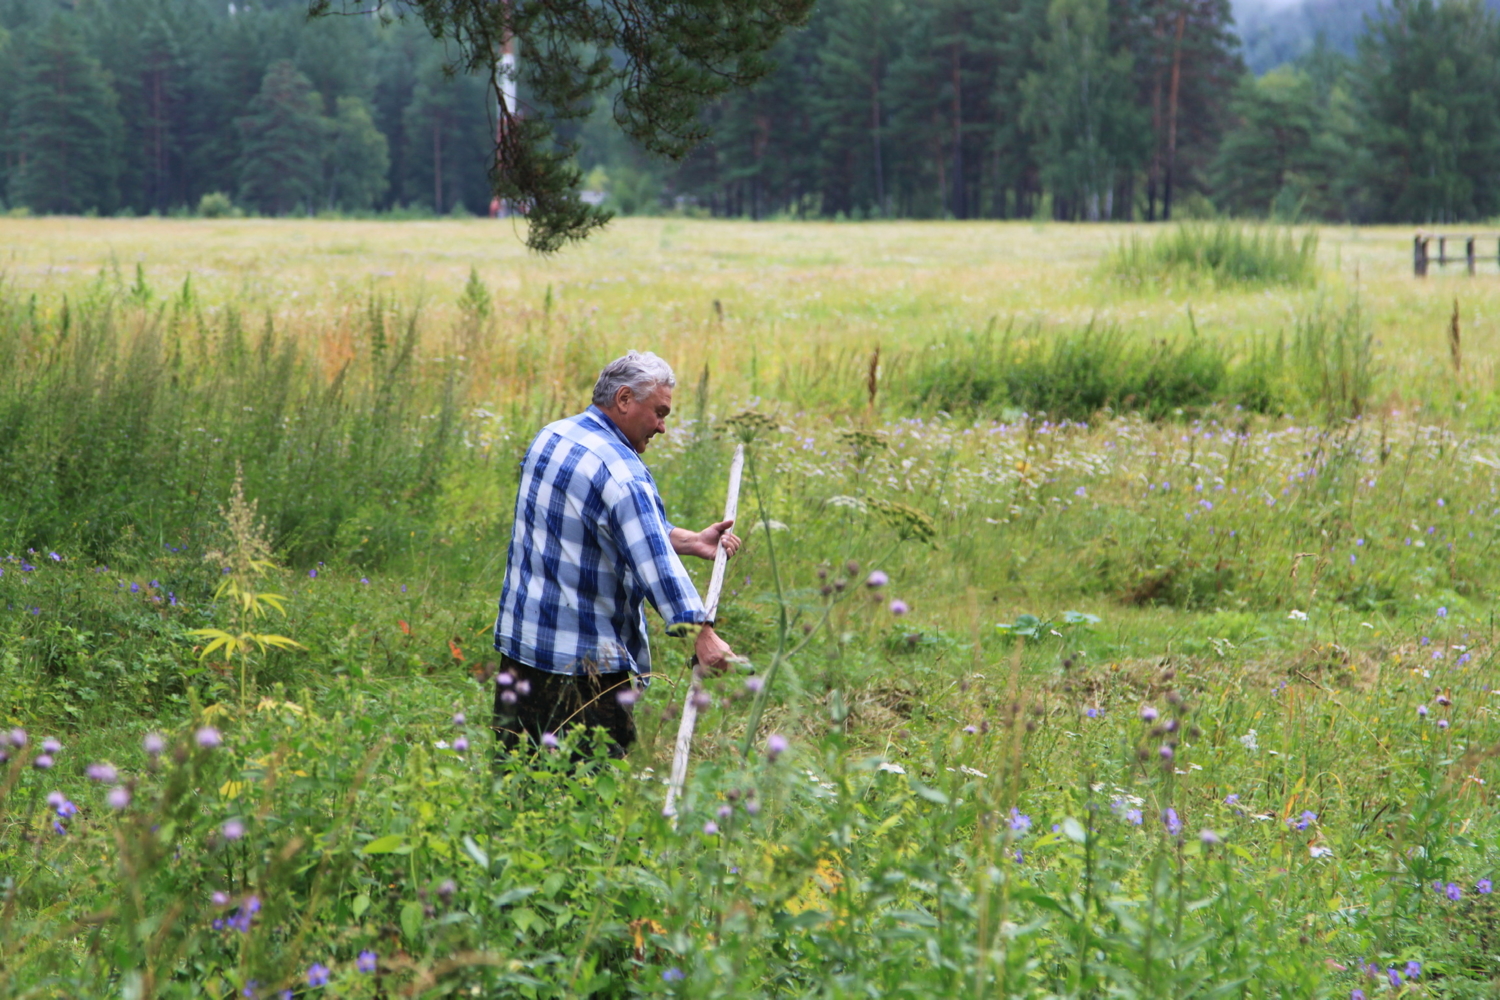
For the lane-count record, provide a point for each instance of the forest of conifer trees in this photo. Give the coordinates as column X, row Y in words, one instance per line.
column 1069, row 109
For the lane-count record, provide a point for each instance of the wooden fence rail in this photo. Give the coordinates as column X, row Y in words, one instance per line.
column 1421, row 250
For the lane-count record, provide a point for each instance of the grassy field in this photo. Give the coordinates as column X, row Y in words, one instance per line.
column 1179, row 686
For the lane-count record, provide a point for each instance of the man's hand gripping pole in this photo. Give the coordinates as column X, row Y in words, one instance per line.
column 710, row 610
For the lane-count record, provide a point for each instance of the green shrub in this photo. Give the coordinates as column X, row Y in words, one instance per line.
column 1222, row 254
column 216, row 205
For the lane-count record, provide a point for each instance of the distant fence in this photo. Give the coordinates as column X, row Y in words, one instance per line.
column 1421, row 250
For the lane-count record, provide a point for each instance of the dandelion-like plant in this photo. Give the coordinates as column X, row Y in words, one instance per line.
column 246, row 559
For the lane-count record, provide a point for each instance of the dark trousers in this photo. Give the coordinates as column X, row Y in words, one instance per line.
column 555, row 703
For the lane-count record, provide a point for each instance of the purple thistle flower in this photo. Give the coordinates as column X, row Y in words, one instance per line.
column 461, row 744
column 627, row 696
column 754, row 684
column 367, row 961
column 55, row 799
column 153, row 744
column 459, row 719
column 1442, row 612
column 508, row 697
column 18, row 737
column 103, row 773
column 1422, row 711
column 549, row 741
column 776, row 745
column 899, row 607
column 1171, row 822
column 1148, row 714
column 1442, row 723
column 220, row 898
column 118, row 797
column 876, row 580
column 504, row 678
column 710, row 828
column 971, row 730
column 523, row 688
column 725, row 811
column 1209, row 837
column 50, row 745
column 1167, row 753
column 208, row 737
column 317, row 975
column 232, row 829
column 43, row 762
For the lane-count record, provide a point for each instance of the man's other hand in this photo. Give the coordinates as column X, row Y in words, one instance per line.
column 714, row 653
column 704, row 544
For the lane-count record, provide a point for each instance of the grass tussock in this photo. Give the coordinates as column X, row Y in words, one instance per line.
column 1325, row 367
column 1222, row 254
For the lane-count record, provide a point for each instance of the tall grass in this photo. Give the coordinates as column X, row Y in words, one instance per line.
column 1221, row 254
column 1326, row 368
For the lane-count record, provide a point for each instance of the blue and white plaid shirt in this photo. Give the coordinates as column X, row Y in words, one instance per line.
column 590, row 544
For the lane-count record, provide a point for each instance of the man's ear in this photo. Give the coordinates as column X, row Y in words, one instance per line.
column 623, row 396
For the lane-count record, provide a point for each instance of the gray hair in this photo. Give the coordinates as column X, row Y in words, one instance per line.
column 640, row 372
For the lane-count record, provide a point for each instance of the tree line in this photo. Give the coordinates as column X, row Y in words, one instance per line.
column 1108, row 109
column 1070, row 109
column 139, row 106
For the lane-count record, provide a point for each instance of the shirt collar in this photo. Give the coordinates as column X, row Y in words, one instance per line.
column 603, row 418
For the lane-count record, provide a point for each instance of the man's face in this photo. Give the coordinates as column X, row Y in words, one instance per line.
column 642, row 418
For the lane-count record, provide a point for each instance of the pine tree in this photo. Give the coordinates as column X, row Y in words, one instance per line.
column 284, row 135
column 359, row 158
column 1428, row 82
column 449, row 144
column 1287, row 152
column 66, row 124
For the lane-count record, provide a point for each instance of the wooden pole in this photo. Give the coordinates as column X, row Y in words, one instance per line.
column 1419, row 256
column 1469, row 252
column 710, row 609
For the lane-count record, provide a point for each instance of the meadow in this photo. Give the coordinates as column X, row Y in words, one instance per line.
column 1130, row 603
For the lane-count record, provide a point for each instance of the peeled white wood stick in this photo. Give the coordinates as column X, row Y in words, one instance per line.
column 710, row 610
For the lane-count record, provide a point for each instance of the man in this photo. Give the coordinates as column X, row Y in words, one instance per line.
column 591, row 543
